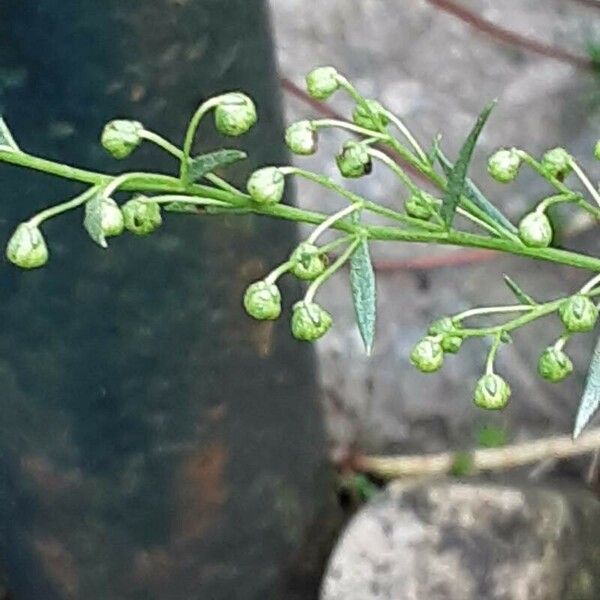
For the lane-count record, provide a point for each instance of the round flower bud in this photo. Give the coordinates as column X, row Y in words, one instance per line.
column 121, row 137
column 427, row 355
column 441, row 326
column 27, row 248
column 308, row 261
column 266, row 186
column 492, row 392
column 504, row 165
column 557, row 163
column 322, row 82
column 554, row 365
column 235, row 114
column 354, row 160
column 111, row 218
column 140, row 216
column 262, row 301
column 451, row 343
column 535, row 230
column 363, row 117
column 310, row 321
column 419, row 205
column 578, row 314
column 301, row 138
column 597, row 150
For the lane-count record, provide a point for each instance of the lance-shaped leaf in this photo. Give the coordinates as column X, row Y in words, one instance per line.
column 591, row 395
column 456, row 179
column 522, row 297
column 7, row 141
column 207, row 163
column 92, row 221
column 364, row 294
column 476, row 200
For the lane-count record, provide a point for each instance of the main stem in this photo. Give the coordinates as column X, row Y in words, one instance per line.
column 153, row 182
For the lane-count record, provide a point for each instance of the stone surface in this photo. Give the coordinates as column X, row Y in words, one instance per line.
column 436, row 73
column 452, row 540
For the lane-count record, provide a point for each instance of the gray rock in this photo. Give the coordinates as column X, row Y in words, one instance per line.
column 452, row 540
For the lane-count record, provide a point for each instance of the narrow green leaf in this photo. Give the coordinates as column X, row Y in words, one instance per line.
column 522, row 297
column 456, row 179
column 92, row 220
column 207, row 163
column 7, row 141
column 591, row 395
column 364, row 294
column 475, row 198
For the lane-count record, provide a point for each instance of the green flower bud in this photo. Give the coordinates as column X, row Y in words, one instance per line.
column 451, row 343
column 235, row 114
column 27, row 248
column 441, row 326
column 262, row 301
column 111, row 218
column 492, row 392
column 308, row 261
column 557, row 163
column 419, row 205
column 121, row 137
column 310, row 321
column 504, row 165
column 597, row 150
column 322, row 82
column 266, row 186
column 554, row 365
column 354, row 160
column 535, row 230
column 427, row 355
column 301, row 138
column 141, row 216
column 578, row 314
column 362, row 117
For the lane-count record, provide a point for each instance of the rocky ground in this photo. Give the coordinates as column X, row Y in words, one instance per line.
column 436, row 73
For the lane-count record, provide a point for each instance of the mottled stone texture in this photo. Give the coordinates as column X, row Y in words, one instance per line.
column 451, row 540
column 155, row 442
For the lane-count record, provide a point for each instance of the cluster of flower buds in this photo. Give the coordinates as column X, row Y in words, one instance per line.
column 443, row 338
column 262, row 301
column 308, row 262
column 322, row 82
column 554, row 364
column 420, row 205
column 235, row 114
column 535, row 229
column 301, row 138
column 370, row 115
column 141, row 216
column 492, row 392
column 354, row 160
column 578, row 314
column 557, row 163
column 27, row 247
column 310, row 321
column 112, row 221
column 266, row 186
column 503, row 165
column 121, row 137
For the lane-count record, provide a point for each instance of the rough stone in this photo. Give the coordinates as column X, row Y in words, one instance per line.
column 452, row 540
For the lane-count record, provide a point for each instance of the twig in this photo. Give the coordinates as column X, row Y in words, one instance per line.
column 485, row 459
column 507, row 36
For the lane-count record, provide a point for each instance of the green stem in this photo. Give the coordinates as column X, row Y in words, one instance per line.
column 325, row 225
column 314, row 286
column 58, row 209
column 492, row 310
column 336, row 123
column 275, row 274
column 489, row 363
column 407, row 134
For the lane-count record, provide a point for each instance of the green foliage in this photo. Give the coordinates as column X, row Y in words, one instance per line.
column 197, row 189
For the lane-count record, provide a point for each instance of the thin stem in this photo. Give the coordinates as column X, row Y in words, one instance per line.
column 192, row 200
column 334, row 244
column 489, row 363
column 406, row 133
column 325, row 225
column 491, row 310
column 585, row 180
column 275, row 274
column 314, row 286
column 395, row 167
column 335, row 123
column 191, row 133
column 160, row 141
column 594, row 281
column 64, row 207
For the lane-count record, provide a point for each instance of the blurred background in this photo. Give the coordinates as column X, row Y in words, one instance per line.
column 155, row 443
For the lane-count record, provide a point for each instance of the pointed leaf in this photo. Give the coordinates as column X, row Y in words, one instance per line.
column 456, row 179
column 521, row 296
column 207, row 163
column 92, row 220
column 364, row 294
column 591, row 395
column 475, row 198
column 7, row 141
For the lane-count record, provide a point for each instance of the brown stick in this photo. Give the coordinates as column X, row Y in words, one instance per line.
column 485, row 459
column 507, row 36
